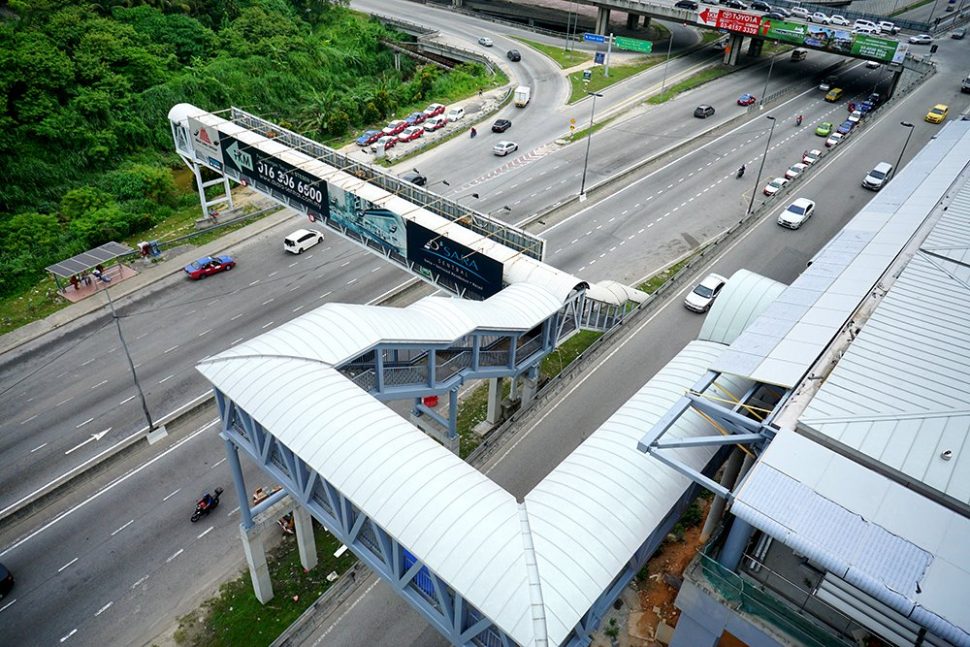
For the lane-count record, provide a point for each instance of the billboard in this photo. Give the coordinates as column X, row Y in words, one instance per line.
column 478, row 273
column 837, row 40
column 205, row 143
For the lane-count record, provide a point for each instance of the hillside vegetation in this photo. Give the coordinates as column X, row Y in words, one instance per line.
column 85, row 146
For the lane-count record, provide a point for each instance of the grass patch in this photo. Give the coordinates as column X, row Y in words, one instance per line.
column 697, row 80
column 576, row 135
column 557, row 361
column 38, row 302
column 235, row 618
column 562, row 58
column 579, row 87
column 650, row 285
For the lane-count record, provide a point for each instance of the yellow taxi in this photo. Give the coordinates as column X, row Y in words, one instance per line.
column 833, row 95
column 937, row 113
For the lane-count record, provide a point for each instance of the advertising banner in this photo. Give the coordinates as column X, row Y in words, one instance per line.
column 837, row 40
column 274, row 176
column 874, row 47
column 366, row 222
column 465, row 267
column 205, row 142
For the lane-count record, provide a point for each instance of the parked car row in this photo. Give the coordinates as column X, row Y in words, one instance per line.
column 412, row 127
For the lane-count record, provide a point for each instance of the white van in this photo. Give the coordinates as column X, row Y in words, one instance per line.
column 878, row 176
column 455, row 114
column 301, row 240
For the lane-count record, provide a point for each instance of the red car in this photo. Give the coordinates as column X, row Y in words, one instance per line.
column 395, row 127
column 208, row 265
column 410, row 134
column 434, row 123
column 746, row 99
column 434, row 110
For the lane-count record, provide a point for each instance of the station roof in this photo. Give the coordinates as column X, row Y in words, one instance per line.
column 86, row 260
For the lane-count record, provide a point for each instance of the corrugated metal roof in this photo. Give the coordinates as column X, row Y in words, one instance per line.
column 595, row 509
column 909, row 552
column 789, row 336
column 743, row 299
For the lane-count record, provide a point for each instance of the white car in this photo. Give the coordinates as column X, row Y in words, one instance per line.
column 872, row 31
column 819, row 17
column 797, row 213
column 701, row 298
column 887, row 27
column 868, row 25
column 834, row 139
column 455, row 114
column 855, row 116
column 812, row 156
column 841, row 21
column 873, row 65
column 503, row 148
column 775, row 186
column 795, row 170
column 384, row 142
column 485, row 41
column 921, row 39
column 301, row 240
column 801, row 12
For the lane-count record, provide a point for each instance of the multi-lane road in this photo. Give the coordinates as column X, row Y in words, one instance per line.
column 126, row 562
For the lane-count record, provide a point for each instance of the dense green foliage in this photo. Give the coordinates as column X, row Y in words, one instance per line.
column 85, row 145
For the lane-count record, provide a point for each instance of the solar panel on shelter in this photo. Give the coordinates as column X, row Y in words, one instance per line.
column 86, row 260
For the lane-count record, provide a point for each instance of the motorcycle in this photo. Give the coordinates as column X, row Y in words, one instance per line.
column 798, row 121
column 741, row 172
column 206, row 504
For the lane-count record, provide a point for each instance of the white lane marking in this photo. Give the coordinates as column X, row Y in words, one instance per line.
column 101, row 383
column 236, row 317
column 111, row 486
column 71, row 633
column 254, row 283
column 123, row 527
column 376, row 269
column 169, row 350
column 205, row 532
column 166, row 379
column 171, row 494
column 84, row 423
column 205, row 332
column 233, row 511
column 66, row 565
column 218, row 463
column 344, row 614
column 24, row 422
column 272, row 274
column 94, row 437
column 4, row 607
column 38, row 447
column 236, row 342
column 87, row 362
column 268, row 301
column 345, row 264
column 128, row 399
column 139, row 582
column 325, row 294
column 351, row 281
column 296, row 308
column 267, row 326
column 174, row 555
column 103, row 609
column 293, row 264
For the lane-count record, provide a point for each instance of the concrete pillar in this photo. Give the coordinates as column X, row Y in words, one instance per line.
column 306, row 543
column 232, row 456
column 893, row 84
column 755, row 45
column 646, row 23
column 602, row 20
column 691, row 633
column 256, row 559
column 494, row 410
column 733, row 50
column 734, row 545
column 729, row 475
column 529, row 387
column 632, row 21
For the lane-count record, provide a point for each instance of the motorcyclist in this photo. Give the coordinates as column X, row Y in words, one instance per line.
column 742, row 170
column 473, row 133
column 206, row 501
column 798, row 120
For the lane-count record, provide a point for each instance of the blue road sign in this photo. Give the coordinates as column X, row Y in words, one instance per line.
column 594, row 38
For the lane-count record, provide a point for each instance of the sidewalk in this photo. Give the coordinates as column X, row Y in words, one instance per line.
column 152, row 274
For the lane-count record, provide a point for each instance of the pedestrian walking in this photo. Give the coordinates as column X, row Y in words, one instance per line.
column 75, row 282
column 479, row 92
column 473, row 133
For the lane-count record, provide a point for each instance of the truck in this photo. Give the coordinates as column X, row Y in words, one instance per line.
column 522, row 95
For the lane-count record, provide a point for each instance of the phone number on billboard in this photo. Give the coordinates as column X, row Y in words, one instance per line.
column 304, row 189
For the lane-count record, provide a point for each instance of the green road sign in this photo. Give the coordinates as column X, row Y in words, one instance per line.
column 633, row 44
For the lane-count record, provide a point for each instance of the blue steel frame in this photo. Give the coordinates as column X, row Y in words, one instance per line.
column 443, row 607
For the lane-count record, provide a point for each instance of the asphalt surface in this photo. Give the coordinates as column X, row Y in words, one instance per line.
column 269, row 287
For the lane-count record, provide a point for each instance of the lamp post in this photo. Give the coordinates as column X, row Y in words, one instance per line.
column 670, row 44
column 908, row 125
column 131, row 364
column 764, row 93
column 589, row 135
column 761, row 168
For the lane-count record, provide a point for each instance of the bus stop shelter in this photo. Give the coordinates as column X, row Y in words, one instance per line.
column 80, row 267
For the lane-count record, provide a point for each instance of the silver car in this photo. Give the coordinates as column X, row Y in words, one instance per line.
column 797, row 213
column 503, row 148
column 702, row 296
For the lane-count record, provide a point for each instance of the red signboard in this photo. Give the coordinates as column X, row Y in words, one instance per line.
column 736, row 21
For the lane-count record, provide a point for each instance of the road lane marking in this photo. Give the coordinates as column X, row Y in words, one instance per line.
column 236, row 317
column 236, row 342
column 94, row 437
column 233, row 511
column 204, row 532
column 38, row 447
column 325, row 294
column 66, row 565
column 267, row 326
column 296, row 308
column 272, row 274
column 166, row 379
column 84, row 423
column 293, row 264
column 174, row 555
column 122, row 527
column 169, row 350
column 171, row 494
column 4, row 607
column 24, row 422
column 103, row 609
column 205, row 332
column 101, row 383
column 345, row 264
column 128, row 399
column 218, row 463
column 254, row 283
column 351, row 281
column 87, row 362
column 72, row 632
column 268, row 301
column 139, row 582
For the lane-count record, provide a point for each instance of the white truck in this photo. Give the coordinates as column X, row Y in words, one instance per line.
column 522, row 95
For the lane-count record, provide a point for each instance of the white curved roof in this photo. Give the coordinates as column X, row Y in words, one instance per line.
column 742, row 300
column 336, row 333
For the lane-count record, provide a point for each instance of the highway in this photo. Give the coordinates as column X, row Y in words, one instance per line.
column 78, row 384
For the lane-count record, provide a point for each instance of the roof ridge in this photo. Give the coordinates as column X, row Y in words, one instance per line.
column 540, row 635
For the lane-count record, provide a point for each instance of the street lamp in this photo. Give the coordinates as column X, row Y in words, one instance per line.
column 761, row 168
column 764, row 93
column 589, row 135
column 670, row 44
column 905, row 124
